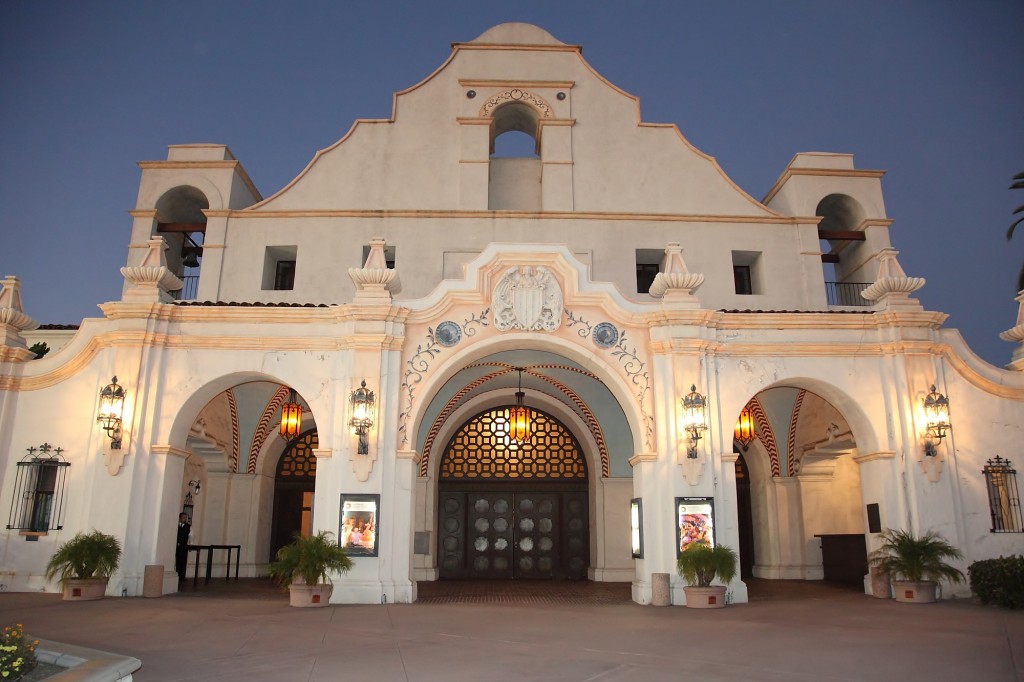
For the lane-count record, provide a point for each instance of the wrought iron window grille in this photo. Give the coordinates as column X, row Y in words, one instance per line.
column 1003, row 498
column 39, row 491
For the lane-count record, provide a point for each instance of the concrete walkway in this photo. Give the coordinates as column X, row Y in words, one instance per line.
column 823, row 635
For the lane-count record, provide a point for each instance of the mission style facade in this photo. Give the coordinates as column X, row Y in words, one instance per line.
column 640, row 302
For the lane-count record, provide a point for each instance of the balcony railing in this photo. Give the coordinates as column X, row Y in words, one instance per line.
column 189, row 291
column 846, row 293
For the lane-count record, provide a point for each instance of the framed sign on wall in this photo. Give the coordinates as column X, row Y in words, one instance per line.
column 695, row 521
column 360, row 524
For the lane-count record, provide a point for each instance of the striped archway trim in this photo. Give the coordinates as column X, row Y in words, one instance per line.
column 765, row 434
column 791, row 440
column 235, row 446
column 263, row 428
column 588, row 415
column 449, row 407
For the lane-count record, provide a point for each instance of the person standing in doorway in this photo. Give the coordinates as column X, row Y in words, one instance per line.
column 181, row 549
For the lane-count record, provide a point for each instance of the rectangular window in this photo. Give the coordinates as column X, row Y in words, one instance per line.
column 38, row 504
column 741, row 277
column 648, row 265
column 747, row 272
column 1003, row 500
column 279, row 268
column 284, row 278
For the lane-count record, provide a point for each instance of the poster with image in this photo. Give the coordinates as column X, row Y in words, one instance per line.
column 360, row 519
column 695, row 520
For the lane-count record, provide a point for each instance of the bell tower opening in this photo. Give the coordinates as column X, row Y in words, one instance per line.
column 515, row 168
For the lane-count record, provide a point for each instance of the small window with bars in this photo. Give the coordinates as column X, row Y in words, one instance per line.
column 1003, row 499
column 38, row 503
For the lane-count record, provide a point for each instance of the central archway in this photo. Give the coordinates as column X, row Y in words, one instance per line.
column 510, row 510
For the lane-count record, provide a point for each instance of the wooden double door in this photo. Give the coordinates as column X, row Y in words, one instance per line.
column 513, row 534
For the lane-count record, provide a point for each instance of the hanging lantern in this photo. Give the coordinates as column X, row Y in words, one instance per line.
column 520, row 418
column 291, row 417
column 744, row 433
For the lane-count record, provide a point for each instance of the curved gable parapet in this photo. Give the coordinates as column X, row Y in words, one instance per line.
column 516, row 33
column 434, row 150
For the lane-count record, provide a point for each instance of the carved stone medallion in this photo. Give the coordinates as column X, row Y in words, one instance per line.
column 527, row 298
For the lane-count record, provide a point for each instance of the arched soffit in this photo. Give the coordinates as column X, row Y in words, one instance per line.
column 839, row 212
column 542, row 373
column 787, row 414
column 242, row 420
column 182, row 204
column 593, row 381
column 494, row 399
column 190, row 408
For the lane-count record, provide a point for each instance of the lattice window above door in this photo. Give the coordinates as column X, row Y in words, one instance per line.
column 481, row 449
column 298, row 461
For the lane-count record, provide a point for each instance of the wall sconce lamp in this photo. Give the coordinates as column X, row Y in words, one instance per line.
column 936, row 419
column 694, row 419
column 363, row 402
column 291, row 417
column 110, row 411
column 520, row 420
column 744, row 433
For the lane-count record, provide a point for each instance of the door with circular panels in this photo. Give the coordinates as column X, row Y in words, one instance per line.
column 513, row 510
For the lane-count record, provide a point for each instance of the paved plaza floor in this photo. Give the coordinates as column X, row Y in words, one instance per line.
column 796, row 633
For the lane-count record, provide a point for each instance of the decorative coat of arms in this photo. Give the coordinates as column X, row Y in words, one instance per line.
column 527, row 298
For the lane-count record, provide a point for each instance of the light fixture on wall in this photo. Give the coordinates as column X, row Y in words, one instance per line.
column 110, row 411
column 362, row 401
column 291, row 417
column 744, row 433
column 520, row 417
column 936, row 419
column 694, row 419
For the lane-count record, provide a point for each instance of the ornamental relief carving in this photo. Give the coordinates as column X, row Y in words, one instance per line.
column 516, row 95
column 527, row 298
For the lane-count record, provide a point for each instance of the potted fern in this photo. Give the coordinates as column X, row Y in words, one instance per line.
column 84, row 565
column 916, row 563
column 699, row 564
column 304, row 567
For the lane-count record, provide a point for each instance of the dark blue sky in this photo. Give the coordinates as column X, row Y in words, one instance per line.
column 931, row 92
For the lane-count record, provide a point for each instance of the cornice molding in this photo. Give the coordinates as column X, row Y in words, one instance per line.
column 820, row 172
column 454, row 214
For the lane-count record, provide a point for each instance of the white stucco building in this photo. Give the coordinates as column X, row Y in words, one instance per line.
column 606, row 274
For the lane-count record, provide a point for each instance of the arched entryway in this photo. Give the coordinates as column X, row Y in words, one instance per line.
column 510, row 510
column 798, row 490
column 294, row 487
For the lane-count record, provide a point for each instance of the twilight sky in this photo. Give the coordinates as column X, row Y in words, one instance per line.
column 931, row 91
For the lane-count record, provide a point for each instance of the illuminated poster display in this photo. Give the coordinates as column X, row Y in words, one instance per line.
column 360, row 521
column 695, row 520
column 636, row 522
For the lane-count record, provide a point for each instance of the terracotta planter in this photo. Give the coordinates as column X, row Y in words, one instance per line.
column 705, row 597
column 302, row 595
column 85, row 589
column 912, row 592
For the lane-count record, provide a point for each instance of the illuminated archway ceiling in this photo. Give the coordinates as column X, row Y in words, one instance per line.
column 543, row 373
